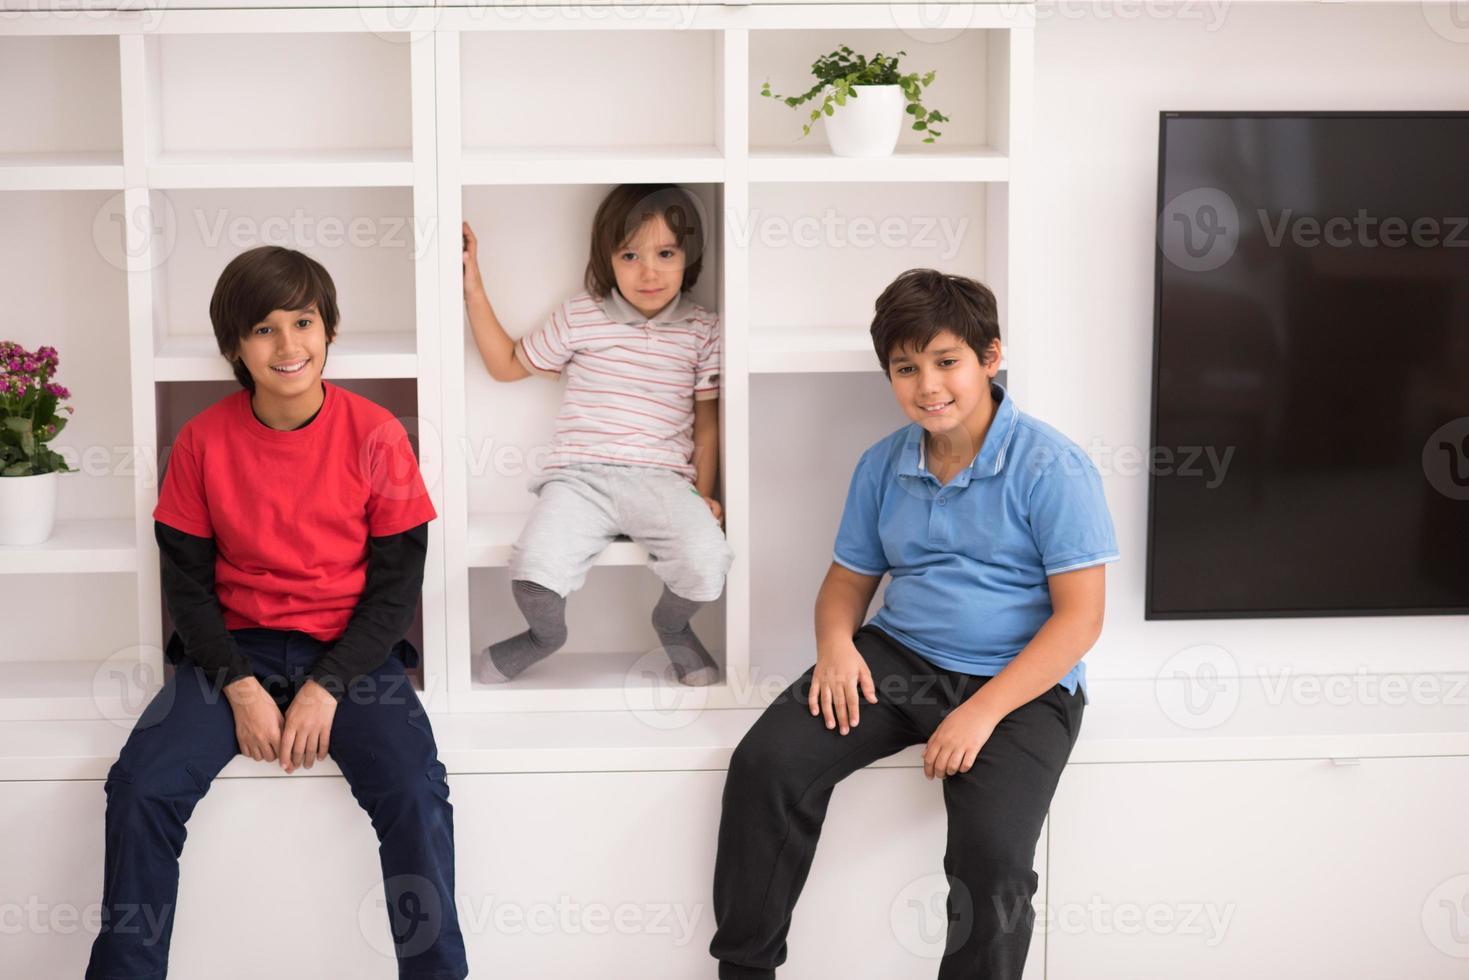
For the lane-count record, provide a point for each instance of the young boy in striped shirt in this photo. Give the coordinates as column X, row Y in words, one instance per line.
column 636, row 447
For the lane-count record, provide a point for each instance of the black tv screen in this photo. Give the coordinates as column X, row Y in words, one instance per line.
column 1310, row 429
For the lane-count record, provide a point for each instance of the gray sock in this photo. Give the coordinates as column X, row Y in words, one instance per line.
column 545, row 611
column 692, row 664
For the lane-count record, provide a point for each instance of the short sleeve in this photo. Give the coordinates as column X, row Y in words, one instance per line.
column 859, row 541
column 1069, row 520
column 397, row 497
column 707, row 370
column 182, row 501
column 545, row 351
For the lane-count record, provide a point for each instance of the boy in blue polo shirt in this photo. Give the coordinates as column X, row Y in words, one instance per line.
column 994, row 530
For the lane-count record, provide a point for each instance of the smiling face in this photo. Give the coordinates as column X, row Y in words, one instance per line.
column 946, row 389
column 285, row 353
column 649, row 267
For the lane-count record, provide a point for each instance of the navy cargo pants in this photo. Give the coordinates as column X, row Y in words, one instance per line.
column 383, row 744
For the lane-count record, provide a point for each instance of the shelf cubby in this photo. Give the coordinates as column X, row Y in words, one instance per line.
column 970, row 86
column 806, row 436
column 567, row 106
column 66, row 133
column 278, row 110
column 76, row 230
column 57, row 664
column 506, row 430
column 369, row 240
column 808, row 241
column 611, row 660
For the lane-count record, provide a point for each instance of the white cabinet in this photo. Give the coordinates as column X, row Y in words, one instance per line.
column 561, row 876
column 1291, row 868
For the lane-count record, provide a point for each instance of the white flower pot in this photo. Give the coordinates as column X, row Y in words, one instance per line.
column 868, row 125
column 27, row 508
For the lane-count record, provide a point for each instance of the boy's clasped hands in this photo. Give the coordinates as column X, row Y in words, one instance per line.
column 298, row 738
column 841, row 673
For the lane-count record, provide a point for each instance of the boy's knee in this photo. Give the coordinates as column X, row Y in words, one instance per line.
column 749, row 762
column 758, row 759
column 701, row 579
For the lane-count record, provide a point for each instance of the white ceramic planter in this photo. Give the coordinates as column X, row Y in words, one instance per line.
column 27, row 508
column 868, row 125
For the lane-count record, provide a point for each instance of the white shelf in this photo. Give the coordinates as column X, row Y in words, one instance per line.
column 606, row 681
column 70, row 690
column 1122, row 725
column 813, row 350
column 811, row 162
column 775, row 350
column 76, row 546
column 575, row 165
column 392, row 167
column 99, row 170
column 492, row 535
column 638, row 681
column 352, row 355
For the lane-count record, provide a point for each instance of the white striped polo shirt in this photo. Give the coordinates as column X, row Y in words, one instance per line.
column 631, row 381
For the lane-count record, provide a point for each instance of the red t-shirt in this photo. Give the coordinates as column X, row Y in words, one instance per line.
column 291, row 512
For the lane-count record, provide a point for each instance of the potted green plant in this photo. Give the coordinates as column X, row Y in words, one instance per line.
column 29, row 419
column 873, row 96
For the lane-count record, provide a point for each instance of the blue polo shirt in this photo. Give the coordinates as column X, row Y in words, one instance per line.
column 969, row 559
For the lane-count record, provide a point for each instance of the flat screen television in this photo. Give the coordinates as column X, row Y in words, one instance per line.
column 1310, row 417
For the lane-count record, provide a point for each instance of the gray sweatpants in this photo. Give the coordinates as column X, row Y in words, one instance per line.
column 581, row 508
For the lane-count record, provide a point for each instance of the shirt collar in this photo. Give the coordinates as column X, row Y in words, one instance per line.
column 990, row 459
column 619, row 310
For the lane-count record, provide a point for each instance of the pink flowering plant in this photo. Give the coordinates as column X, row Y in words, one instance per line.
column 29, row 411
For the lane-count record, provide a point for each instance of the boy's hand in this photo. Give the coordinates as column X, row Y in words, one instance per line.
column 955, row 744
column 715, row 509
column 472, row 282
column 308, row 727
column 839, row 673
column 257, row 719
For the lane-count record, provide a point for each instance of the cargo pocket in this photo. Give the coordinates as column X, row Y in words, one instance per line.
column 200, row 780
column 116, row 775
column 438, row 778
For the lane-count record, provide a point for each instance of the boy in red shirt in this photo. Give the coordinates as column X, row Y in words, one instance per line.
column 292, row 527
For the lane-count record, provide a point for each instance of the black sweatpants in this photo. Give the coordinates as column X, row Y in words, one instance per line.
column 782, row 775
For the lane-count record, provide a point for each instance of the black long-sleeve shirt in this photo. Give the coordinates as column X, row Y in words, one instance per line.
column 383, row 613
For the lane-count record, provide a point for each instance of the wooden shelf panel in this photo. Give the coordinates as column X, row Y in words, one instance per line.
column 928, row 164
column 801, row 350
column 99, row 170
column 352, row 355
column 390, row 167
column 637, row 681
column 62, row 690
column 576, row 165
column 491, row 536
column 76, row 546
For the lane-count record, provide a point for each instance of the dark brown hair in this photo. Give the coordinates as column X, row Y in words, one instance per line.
column 260, row 281
column 620, row 215
column 922, row 303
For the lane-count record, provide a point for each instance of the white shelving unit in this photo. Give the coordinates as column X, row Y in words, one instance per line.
column 214, row 137
column 221, row 129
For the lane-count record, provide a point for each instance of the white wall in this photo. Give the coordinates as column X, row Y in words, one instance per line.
column 1103, row 73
